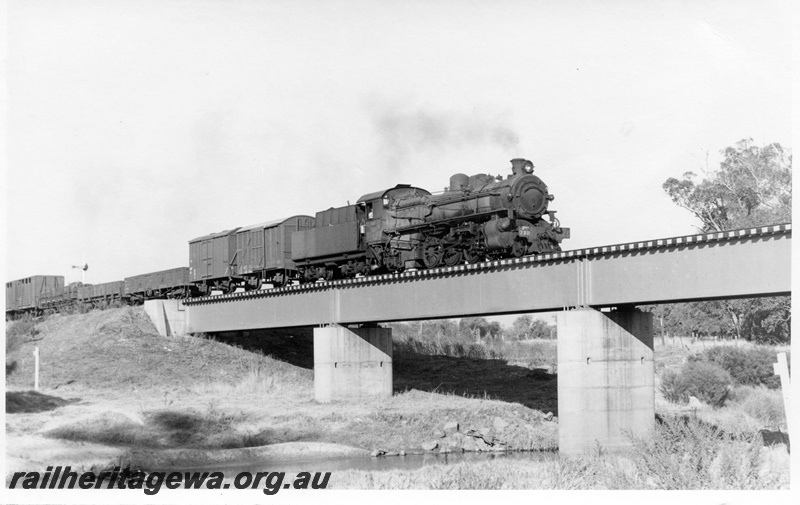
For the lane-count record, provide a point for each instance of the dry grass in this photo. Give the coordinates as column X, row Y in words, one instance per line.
column 120, row 349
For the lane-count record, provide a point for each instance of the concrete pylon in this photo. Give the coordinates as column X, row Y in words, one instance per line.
column 605, row 379
column 352, row 363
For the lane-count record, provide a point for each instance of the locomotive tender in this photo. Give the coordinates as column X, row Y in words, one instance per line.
column 477, row 218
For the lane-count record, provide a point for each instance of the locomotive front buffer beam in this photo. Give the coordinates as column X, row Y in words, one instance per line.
column 605, row 345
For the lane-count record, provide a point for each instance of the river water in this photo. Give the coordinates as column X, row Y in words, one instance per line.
column 408, row 462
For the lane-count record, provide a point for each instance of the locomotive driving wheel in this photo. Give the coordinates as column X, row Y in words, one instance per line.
column 452, row 256
column 432, row 252
column 474, row 251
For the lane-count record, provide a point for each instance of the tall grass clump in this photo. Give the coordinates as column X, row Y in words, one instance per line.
column 685, row 453
column 761, row 403
column 748, row 366
column 534, row 353
column 673, row 387
column 455, row 349
column 706, row 381
column 17, row 333
column 668, row 356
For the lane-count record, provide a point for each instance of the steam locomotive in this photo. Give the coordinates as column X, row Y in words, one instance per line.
column 476, row 218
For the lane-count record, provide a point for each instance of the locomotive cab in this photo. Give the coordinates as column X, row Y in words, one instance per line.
column 378, row 210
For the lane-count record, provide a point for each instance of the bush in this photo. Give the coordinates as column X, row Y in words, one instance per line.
column 704, row 380
column 748, row 367
column 17, row 333
column 686, row 453
column 673, row 387
column 707, row 381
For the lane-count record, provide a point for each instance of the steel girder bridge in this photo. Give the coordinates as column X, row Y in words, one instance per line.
column 734, row 264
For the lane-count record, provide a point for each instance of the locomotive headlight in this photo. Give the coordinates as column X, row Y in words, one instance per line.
column 528, row 167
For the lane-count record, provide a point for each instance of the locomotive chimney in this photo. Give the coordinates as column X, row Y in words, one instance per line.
column 459, row 182
column 521, row 166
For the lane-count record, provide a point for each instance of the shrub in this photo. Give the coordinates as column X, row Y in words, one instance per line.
column 748, row 367
column 411, row 346
column 686, row 453
column 673, row 386
column 704, row 380
column 707, row 381
column 761, row 403
column 17, row 333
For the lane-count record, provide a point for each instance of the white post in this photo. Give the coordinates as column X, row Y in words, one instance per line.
column 36, row 369
column 782, row 369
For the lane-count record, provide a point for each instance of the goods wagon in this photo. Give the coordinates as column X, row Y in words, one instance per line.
column 264, row 252
column 67, row 296
column 24, row 295
column 212, row 261
column 172, row 283
column 98, row 294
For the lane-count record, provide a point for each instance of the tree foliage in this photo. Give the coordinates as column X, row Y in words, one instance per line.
column 752, row 187
column 525, row 327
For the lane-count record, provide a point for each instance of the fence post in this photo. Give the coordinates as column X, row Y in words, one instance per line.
column 36, row 369
column 781, row 369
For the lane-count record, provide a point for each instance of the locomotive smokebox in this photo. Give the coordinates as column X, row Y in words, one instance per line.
column 520, row 166
column 459, row 182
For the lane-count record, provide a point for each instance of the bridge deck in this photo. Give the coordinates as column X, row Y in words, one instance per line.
column 740, row 263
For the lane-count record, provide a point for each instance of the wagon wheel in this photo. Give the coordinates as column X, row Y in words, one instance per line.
column 432, row 252
column 519, row 247
column 259, row 283
column 452, row 256
column 328, row 274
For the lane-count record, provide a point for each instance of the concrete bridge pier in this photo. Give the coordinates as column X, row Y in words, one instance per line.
column 169, row 316
column 605, row 379
column 352, row 363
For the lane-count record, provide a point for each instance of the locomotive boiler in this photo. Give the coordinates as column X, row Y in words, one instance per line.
column 476, row 218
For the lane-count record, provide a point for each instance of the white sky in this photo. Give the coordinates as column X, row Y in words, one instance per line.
column 134, row 127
